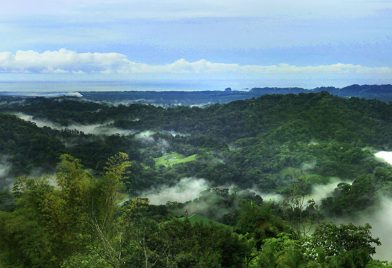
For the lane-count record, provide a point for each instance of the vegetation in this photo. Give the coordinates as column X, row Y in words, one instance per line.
column 75, row 220
column 94, row 215
column 171, row 159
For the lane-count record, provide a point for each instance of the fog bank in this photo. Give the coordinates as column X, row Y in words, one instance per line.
column 385, row 156
column 4, row 168
column 319, row 192
column 91, row 129
column 380, row 218
column 269, row 197
column 146, row 136
column 381, row 222
column 322, row 191
column 186, row 189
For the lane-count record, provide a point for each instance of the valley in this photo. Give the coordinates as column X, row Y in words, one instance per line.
column 259, row 168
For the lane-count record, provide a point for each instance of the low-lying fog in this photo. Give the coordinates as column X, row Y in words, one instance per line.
column 380, row 219
column 381, row 222
column 188, row 189
column 185, row 190
column 4, row 167
column 148, row 135
column 105, row 129
column 385, row 156
column 93, row 129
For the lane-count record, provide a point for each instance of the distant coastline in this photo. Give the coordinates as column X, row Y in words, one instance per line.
column 199, row 97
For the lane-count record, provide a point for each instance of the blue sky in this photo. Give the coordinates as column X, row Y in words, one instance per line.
column 335, row 42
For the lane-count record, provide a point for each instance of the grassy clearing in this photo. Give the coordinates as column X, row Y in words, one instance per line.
column 171, row 159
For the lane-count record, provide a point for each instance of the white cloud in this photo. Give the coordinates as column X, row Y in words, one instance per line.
column 60, row 61
column 185, row 190
column 65, row 61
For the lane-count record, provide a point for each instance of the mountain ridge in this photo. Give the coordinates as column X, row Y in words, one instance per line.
column 379, row 92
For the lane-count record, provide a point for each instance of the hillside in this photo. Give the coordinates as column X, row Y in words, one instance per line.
column 203, row 98
column 246, row 164
column 249, row 143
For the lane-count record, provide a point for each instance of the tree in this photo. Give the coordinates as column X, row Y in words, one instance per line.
column 58, row 218
column 341, row 244
column 281, row 251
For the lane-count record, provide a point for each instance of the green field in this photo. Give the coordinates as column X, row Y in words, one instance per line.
column 171, row 159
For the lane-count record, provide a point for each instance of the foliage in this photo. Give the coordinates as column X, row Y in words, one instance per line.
column 55, row 218
column 348, row 244
column 170, row 159
column 329, row 246
column 285, row 144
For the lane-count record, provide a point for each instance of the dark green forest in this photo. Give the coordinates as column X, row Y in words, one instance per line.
column 75, row 176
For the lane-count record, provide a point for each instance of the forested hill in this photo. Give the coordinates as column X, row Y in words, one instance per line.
column 303, row 116
column 312, row 154
column 254, row 138
column 380, row 92
column 244, row 142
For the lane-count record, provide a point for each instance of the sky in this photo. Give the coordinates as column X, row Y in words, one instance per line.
column 276, row 43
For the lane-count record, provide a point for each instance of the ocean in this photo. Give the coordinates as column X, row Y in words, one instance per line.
column 52, row 87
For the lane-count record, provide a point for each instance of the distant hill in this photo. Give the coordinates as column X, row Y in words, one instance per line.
column 202, row 98
column 379, row 92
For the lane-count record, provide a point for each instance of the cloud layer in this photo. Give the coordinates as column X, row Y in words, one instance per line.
column 71, row 62
column 301, row 33
column 92, row 129
column 185, row 190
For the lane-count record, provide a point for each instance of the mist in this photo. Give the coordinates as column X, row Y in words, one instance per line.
column 269, row 197
column 149, row 138
column 91, row 129
column 212, row 203
column 318, row 193
column 322, row 191
column 174, row 133
column 381, row 221
column 146, row 136
column 5, row 167
column 385, row 156
column 186, row 189
column 379, row 217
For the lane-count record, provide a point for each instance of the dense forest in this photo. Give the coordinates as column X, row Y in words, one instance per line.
column 90, row 184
